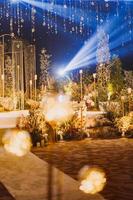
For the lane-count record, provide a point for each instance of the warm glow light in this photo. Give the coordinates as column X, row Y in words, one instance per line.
column 94, row 75
column 30, row 82
column 80, row 71
column 35, row 76
column 129, row 90
column 2, row 77
column 57, row 108
column 92, row 180
column 17, row 142
column 57, row 113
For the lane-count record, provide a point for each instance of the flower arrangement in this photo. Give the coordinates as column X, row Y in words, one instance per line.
column 72, row 128
column 34, row 123
column 33, row 104
column 125, row 123
column 7, row 103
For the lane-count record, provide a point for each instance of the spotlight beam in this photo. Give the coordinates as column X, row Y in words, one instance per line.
column 84, row 64
column 87, row 54
column 83, row 60
column 79, row 57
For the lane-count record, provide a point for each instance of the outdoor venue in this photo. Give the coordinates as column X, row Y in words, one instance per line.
column 66, row 99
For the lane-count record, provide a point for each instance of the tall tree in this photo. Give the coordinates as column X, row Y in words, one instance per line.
column 129, row 78
column 103, row 58
column 103, row 67
column 103, row 52
column 44, row 67
column 117, row 76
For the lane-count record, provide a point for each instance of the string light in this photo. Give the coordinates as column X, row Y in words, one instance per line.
column 75, row 17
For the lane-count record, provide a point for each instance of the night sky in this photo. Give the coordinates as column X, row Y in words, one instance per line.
column 85, row 16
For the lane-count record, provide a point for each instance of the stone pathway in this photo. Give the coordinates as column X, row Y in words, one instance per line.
column 114, row 156
column 30, row 178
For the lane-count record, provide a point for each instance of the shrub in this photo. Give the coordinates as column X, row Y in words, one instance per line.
column 125, row 124
column 105, row 132
column 98, row 121
column 72, row 129
column 36, row 125
column 101, row 127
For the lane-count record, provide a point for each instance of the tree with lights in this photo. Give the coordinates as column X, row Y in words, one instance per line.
column 103, row 52
column 129, row 78
column 117, row 76
column 103, row 60
column 44, row 67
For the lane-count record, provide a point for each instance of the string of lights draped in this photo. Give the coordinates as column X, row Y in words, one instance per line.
column 76, row 17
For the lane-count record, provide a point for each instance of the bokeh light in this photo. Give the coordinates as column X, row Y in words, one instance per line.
column 57, row 108
column 17, row 142
column 92, row 180
column 61, row 72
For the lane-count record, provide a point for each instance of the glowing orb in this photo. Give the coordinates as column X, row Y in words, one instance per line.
column 17, row 142
column 58, row 108
column 92, row 180
column 61, row 72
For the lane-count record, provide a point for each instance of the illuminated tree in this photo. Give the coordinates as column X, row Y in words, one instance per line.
column 73, row 89
column 103, row 67
column 103, row 59
column 44, row 67
column 117, row 76
column 129, row 78
column 103, row 53
column 87, row 77
column 110, row 90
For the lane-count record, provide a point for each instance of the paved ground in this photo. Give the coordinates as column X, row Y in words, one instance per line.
column 114, row 156
column 30, row 178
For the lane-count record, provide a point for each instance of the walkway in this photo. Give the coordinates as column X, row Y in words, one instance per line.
column 114, row 156
column 29, row 178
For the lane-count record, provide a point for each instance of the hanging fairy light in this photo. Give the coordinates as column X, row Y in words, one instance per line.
column 64, row 20
column 11, row 24
column 33, row 13
column 21, row 21
column 44, row 17
column 75, row 17
column 18, row 19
